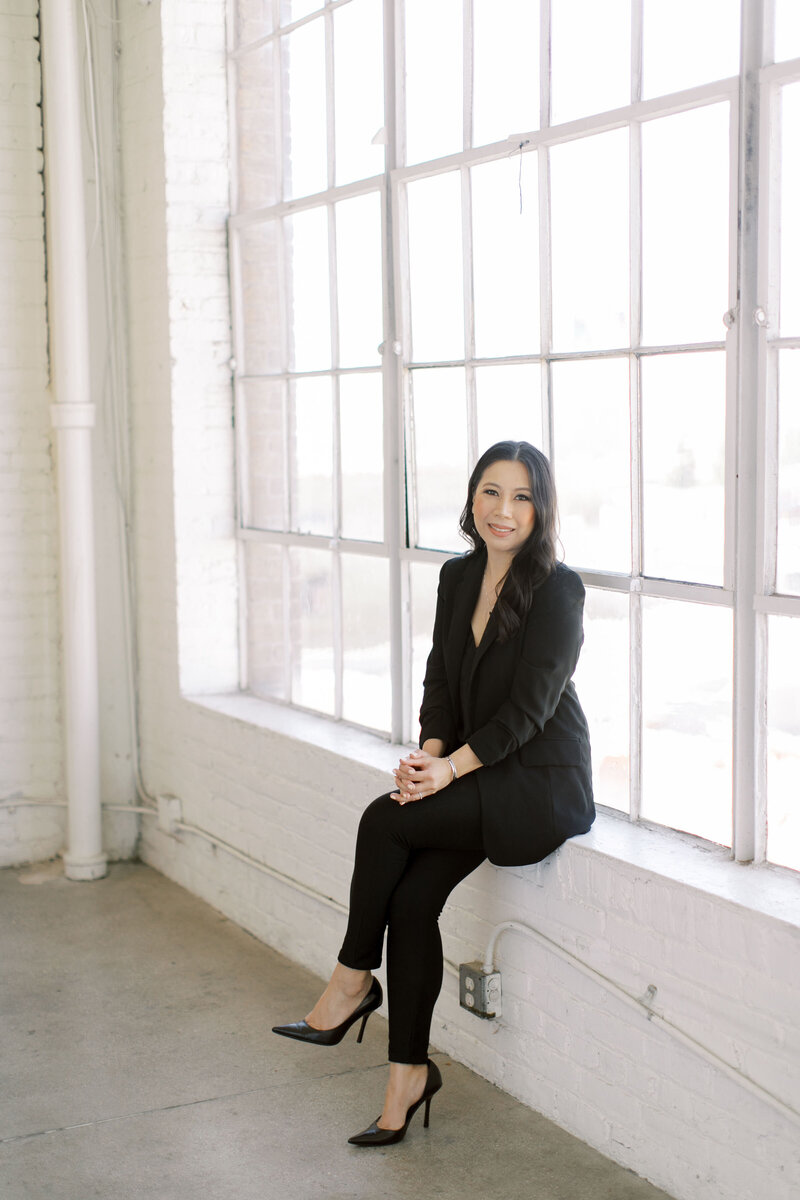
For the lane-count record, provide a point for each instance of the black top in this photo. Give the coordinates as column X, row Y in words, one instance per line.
column 465, row 680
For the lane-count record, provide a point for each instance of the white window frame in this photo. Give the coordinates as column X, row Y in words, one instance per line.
column 748, row 586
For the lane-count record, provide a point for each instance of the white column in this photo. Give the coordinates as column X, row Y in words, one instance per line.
column 73, row 417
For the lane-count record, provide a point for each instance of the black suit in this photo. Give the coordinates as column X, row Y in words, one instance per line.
column 525, row 722
column 526, row 726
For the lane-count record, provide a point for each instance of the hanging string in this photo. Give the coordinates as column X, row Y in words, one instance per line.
column 526, row 142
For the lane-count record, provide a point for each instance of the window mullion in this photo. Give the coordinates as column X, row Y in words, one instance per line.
column 392, row 374
column 545, row 301
column 291, row 648
column 334, row 318
column 469, row 312
column 467, row 71
column 635, row 299
column 338, row 633
column 637, row 49
column 749, row 670
column 636, row 704
column 635, row 649
column 329, row 107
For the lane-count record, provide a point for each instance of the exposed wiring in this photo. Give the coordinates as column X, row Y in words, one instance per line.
column 25, row 803
column 118, row 444
column 641, row 1004
column 260, row 866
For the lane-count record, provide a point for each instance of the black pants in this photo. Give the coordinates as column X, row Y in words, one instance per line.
column 408, row 860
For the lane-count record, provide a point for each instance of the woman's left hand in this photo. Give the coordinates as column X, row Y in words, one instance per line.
column 420, row 775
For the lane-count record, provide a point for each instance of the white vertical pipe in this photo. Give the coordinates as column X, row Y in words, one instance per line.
column 73, row 417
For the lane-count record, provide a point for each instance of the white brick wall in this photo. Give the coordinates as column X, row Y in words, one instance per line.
column 31, row 749
column 641, row 908
column 30, row 729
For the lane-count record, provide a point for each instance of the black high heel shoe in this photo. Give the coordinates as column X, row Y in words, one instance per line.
column 375, row 1136
column 301, row 1031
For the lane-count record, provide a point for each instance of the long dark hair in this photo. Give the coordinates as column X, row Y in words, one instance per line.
column 536, row 558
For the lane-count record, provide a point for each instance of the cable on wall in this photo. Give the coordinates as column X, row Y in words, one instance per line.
column 641, row 1004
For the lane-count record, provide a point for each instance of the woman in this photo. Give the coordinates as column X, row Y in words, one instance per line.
column 503, row 770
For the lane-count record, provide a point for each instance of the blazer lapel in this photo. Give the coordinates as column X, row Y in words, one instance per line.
column 464, row 602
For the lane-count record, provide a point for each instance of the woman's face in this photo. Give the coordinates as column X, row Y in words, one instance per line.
column 503, row 507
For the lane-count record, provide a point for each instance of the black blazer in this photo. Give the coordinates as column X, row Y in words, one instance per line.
column 526, row 724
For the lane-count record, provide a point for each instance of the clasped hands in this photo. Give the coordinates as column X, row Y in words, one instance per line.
column 419, row 775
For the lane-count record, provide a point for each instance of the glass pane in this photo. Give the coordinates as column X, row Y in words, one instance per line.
column 787, row 30
column 366, row 682
column 783, row 770
column 505, row 256
column 591, row 244
column 687, row 658
column 424, row 583
column 434, row 72
column 790, row 210
column 261, row 328
column 683, row 461
column 435, row 268
column 439, row 416
column 590, row 57
column 263, row 464
column 294, row 10
column 266, row 632
column 603, row 684
column 685, row 200
column 304, row 100
column 311, row 436
column 509, row 401
column 253, row 20
column 505, row 87
column 361, row 422
column 308, row 298
column 688, row 42
column 359, row 279
column 591, row 417
column 256, row 149
column 311, row 629
column 789, row 472
column 358, row 55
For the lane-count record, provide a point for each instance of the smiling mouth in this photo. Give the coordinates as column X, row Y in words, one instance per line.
column 501, row 530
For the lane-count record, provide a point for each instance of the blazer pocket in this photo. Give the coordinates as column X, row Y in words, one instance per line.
column 552, row 752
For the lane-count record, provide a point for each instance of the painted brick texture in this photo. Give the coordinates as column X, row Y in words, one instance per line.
column 30, row 723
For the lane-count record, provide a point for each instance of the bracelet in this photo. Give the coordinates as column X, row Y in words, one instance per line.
column 453, row 769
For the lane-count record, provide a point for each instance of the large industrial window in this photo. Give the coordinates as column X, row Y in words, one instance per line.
column 569, row 222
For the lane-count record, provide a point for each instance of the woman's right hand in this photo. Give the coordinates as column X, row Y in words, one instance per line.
column 421, row 774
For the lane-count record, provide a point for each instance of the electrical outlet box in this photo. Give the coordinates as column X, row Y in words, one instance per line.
column 169, row 813
column 479, row 991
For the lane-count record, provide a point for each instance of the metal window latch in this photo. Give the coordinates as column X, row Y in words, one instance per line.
column 729, row 318
column 760, row 317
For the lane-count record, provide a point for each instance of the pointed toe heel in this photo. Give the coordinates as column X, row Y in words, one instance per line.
column 301, row 1031
column 376, row 1136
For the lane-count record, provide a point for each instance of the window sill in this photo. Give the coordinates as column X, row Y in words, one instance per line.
column 772, row 891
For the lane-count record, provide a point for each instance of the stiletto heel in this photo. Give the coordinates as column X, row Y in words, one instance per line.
column 376, row 1136
column 301, row 1031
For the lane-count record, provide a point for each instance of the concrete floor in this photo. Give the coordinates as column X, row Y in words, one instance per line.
column 137, row 1062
